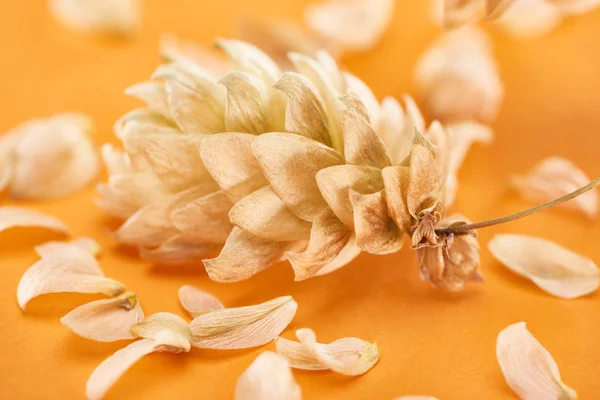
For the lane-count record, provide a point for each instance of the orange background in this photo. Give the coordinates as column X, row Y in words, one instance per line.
column 430, row 342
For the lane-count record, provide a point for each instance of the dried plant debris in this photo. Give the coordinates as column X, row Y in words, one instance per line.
column 528, row 367
column 243, row 327
column 351, row 25
column 98, row 16
column 269, row 377
column 49, row 158
column 460, row 64
column 347, row 356
column 65, row 267
column 18, row 217
column 553, row 268
column 162, row 332
column 456, row 13
column 554, row 177
column 197, row 302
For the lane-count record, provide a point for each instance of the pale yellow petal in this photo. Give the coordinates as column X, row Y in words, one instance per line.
column 65, row 268
column 462, row 12
column 197, row 302
column 347, row 356
column 530, row 18
column 528, row 367
column 107, row 16
column 152, row 327
column 335, row 183
column 105, row 320
column 356, row 86
column 575, row 6
column 179, row 249
column 329, row 239
column 375, row 231
column 553, row 268
column 175, row 50
column 17, row 217
column 362, row 146
column 423, row 181
column 555, row 177
column 268, row 378
column 243, row 327
column 247, row 104
column 116, row 161
column 248, row 58
column 230, row 161
column 245, row 255
column 354, row 25
column 396, row 181
column 305, row 113
column 153, row 93
column 290, row 163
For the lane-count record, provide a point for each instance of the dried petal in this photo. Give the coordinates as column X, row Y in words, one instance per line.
column 175, row 50
column 65, row 268
column 553, row 268
column 423, row 181
column 290, row 163
column 555, row 177
column 365, row 94
column 153, row 326
column 229, row 160
column 53, row 157
column 153, row 94
column 180, row 249
column 528, row 367
column 105, row 320
column 197, row 302
column 335, row 184
column 376, row 233
column 330, row 247
column 14, row 217
column 347, row 356
column 575, row 6
column 530, row 18
column 354, row 25
column 245, row 255
column 263, row 214
column 250, row 59
column 304, row 114
column 396, row 180
column 461, row 12
column 243, row 327
column 247, row 104
column 111, row 369
column 362, row 146
column 268, row 378
column 103, row 16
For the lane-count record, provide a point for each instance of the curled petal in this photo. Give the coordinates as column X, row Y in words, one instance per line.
column 106, row 16
column 229, row 160
column 528, row 367
column 14, row 217
column 375, row 231
column 362, row 146
column 263, row 214
column 268, row 378
column 105, row 320
column 243, row 327
column 205, row 219
column 354, row 25
column 197, row 302
column 250, row 59
column 304, row 114
column 65, row 268
column 153, row 326
column 245, row 255
column 330, row 247
column 347, row 356
column 396, row 180
column 290, row 163
column 554, row 177
column 247, row 104
column 335, row 184
column 553, row 268
column 180, row 249
column 111, row 369
column 153, row 93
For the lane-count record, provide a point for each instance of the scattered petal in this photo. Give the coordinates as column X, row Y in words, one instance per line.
column 243, row 327
column 105, row 320
column 268, row 378
column 528, row 367
column 153, row 326
column 14, row 217
column 197, row 302
column 353, row 25
column 347, row 356
column 553, row 268
column 555, row 177
column 102, row 16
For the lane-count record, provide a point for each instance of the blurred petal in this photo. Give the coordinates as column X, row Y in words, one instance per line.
column 555, row 177
column 362, row 146
column 243, row 327
column 554, row 269
column 103, row 16
column 268, row 378
column 527, row 366
column 180, row 249
column 290, row 163
column 197, row 302
column 530, row 18
column 462, row 12
column 15, row 217
column 106, row 320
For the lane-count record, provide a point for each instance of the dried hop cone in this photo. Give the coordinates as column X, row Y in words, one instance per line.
column 305, row 166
